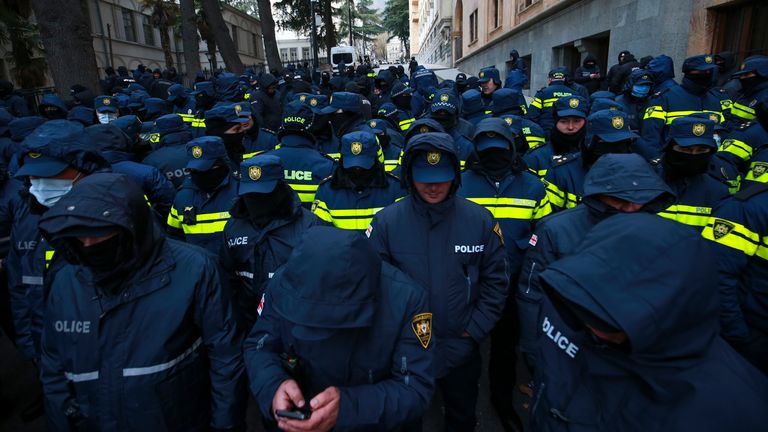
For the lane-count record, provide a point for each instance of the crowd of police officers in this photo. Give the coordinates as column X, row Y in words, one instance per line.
column 342, row 243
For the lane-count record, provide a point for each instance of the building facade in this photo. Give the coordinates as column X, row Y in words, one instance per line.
column 551, row 33
column 431, row 23
column 295, row 50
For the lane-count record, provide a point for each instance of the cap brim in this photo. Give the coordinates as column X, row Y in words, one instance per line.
column 328, row 110
column 485, row 145
column 360, row 161
column 106, row 109
column 483, row 80
column 742, row 72
column 571, row 113
column 616, row 136
column 201, row 164
column 247, row 187
column 688, row 142
column 433, row 174
column 41, row 168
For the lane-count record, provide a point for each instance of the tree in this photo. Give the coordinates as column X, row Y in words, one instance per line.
column 189, row 39
column 163, row 16
column 207, row 34
column 396, row 22
column 268, row 30
column 295, row 15
column 66, row 35
column 370, row 22
column 26, row 47
column 221, row 35
column 248, row 6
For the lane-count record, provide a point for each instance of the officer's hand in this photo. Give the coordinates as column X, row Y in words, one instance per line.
column 287, row 397
column 325, row 410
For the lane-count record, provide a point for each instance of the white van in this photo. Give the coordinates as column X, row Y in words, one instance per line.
column 344, row 54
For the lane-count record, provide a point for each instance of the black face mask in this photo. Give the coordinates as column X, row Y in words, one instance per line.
column 265, row 207
column 599, row 148
column 496, row 162
column 105, row 256
column 402, row 102
column 562, row 143
column 209, row 180
column 179, row 101
column 679, row 165
column 747, row 84
column 384, row 140
column 361, row 178
column 234, row 145
column 447, row 120
column 697, row 83
column 339, row 121
column 204, row 101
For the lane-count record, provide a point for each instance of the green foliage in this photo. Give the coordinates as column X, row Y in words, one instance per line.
column 295, row 15
column 26, row 55
column 248, row 6
column 396, row 19
column 366, row 22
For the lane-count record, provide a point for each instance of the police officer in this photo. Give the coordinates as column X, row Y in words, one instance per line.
column 52, row 107
column 589, row 74
column 106, row 108
column 201, row 207
column 570, row 120
column 607, row 132
column 402, row 97
column 304, row 166
column 472, row 108
column 266, row 224
column 445, row 110
column 347, row 111
column 516, row 199
column 453, row 248
column 11, row 101
column 533, row 133
column 359, row 186
column 542, row 105
column 596, row 338
column 490, row 81
column 508, row 102
column 182, row 103
column 753, row 76
column 125, row 283
column 694, row 95
column 390, row 140
column 662, row 69
column 228, row 122
column 53, row 158
column 634, row 99
column 350, row 350
column 685, row 166
column 747, row 135
column 617, row 183
column 265, row 103
column 117, row 150
column 169, row 155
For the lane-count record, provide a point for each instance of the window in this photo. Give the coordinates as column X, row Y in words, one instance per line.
column 495, row 7
column 284, row 54
column 473, row 26
column 305, row 53
column 234, row 37
column 294, row 52
column 256, row 42
column 128, row 25
column 149, row 32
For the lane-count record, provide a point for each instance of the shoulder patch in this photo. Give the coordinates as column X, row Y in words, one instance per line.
column 422, row 326
column 497, row 231
column 721, row 228
column 534, row 239
column 369, row 231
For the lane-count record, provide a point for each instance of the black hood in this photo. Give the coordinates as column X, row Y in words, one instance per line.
column 589, row 58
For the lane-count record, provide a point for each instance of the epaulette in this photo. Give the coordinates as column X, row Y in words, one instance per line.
column 559, row 160
column 744, row 126
column 660, row 92
column 655, row 162
column 538, row 147
column 750, row 191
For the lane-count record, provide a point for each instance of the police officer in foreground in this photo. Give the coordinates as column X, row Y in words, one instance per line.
column 617, row 183
column 542, row 105
column 628, row 337
column 201, row 207
column 359, row 186
column 267, row 222
column 349, row 350
column 453, row 248
column 516, row 199
column 127, row 285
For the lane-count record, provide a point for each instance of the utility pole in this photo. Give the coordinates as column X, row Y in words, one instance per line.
column 315, row 62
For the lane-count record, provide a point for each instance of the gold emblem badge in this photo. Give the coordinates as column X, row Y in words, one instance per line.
column 573, row 103
column 197, row 152
column 444, row 97
column 422, row 326
column 497, row 231
column 699, row 129
column 106, row 101
column 313, row 102
column 743, row 66
column 238, row 109
column 759, row 169
column 721, row 228
column 314, row 206
column 617, row 122
column 302, row 98
column 508, row 120
column 714, row 118
column 433, row 158
column 424, row 129
column 254, row 172
column 356, row 148
column 482, row 74
column 372, row 123
column 708, row 59
column 34, row 155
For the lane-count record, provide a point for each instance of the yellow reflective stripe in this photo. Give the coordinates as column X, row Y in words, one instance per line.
column 571, row 200
column 689, row 215
column 556, row 196
column 205, row 217
column 534, row 141
column 549, row 102
column 672, row 115
column 250, row 155
column 349, row 219
column 743, row 111
column 461, row 164
column 544, row 208
column 539, row 173
column 247, row 96
column 487, row 112
column 205, row 223
column 739, row 237
column 306, row 192
column 508, row 208
column 334, row 156
column 198, row 123
column 405, row 124
column 320, row 209
column 757, row 171
column 737, row 148
column 187, row 118
column 48, row 257
column 656, row 112
column 390, row 164
column 154, row 137
column 536, row 102
column 205, row 227
column 762, row 250
column 173, row 219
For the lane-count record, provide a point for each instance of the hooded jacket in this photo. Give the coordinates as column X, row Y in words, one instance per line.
column 516, row 80
column 625, row 176
column 663, row 73
column 454, row 250
column 582, row 74
column 356, row 330
column 163, row 352
column 674, row 373
column 267, row 109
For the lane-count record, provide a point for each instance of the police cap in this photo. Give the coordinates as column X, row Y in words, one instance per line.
column 360, row 149
column 204, row 152
column 260, row 174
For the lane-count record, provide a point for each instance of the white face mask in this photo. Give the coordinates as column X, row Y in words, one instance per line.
column 48, row 191
column 105, row 118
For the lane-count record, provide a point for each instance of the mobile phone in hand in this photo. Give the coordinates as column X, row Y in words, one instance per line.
column 294, row 415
